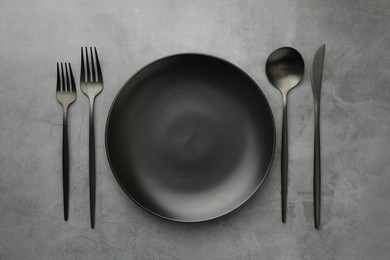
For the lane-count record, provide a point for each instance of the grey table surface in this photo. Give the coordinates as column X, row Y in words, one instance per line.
column 34, row 35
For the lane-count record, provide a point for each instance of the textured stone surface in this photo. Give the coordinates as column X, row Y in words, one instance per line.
column 34, row 35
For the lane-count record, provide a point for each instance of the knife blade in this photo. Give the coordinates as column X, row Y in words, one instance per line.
column 316, row 82
column 316, row 72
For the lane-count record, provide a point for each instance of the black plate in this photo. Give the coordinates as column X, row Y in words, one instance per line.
column 190, row 137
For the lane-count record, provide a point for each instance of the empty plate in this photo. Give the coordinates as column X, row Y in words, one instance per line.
column 190, row 137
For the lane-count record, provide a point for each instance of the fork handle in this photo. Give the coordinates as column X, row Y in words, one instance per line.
column 92, row 166
column 65, row 164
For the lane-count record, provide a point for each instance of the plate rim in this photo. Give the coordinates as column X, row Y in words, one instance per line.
column 238, row 204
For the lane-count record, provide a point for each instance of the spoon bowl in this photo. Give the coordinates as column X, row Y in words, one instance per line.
column 285, row 68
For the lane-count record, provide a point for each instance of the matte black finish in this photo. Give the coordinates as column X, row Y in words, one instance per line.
column 284, row 70
column 190, row 137
column 316, row 81
column 66, row 95
column 91, row 84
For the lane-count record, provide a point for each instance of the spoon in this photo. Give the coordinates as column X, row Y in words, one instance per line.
column 284, row 69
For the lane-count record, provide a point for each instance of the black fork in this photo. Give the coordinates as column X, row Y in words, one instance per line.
column 66, row 95
column 91, row 84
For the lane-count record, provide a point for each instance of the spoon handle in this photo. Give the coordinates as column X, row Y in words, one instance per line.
column 284, row 161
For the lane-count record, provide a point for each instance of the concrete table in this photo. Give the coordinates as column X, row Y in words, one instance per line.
column 34, row 35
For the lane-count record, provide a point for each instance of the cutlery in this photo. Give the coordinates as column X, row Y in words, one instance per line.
column 66, row 95
column 316, row 80
column 284, row 69
column 91, row 84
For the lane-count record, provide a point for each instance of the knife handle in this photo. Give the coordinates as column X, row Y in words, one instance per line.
column 317, row 168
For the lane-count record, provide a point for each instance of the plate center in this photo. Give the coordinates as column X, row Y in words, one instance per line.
column 190, row 138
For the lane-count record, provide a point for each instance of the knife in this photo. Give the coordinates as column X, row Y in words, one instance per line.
column 316, row 80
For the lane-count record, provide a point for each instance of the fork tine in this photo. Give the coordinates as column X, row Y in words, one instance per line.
column 92, row 67
column 58, row 78
column 88, row 68
column 99, row 71
column 73, row 89
column 67, row 78
column 82, row 74
column 63, row 78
